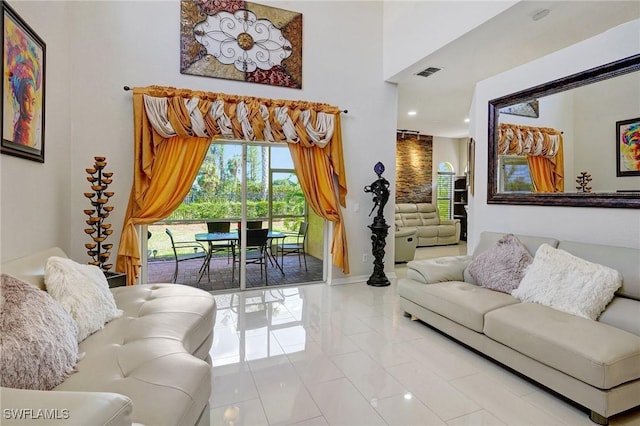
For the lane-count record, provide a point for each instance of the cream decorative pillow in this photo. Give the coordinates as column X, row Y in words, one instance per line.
column 502, row 266
column 83, row 291
column 568, row 283
column 38, row 337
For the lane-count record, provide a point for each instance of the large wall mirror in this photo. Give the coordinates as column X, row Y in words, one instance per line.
column 542, row 139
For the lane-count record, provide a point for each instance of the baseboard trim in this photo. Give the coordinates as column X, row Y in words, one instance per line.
column 352, row 279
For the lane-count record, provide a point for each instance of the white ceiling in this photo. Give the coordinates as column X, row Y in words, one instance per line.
column 510, row 39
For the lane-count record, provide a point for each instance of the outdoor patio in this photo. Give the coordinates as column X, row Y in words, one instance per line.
column 161, row 271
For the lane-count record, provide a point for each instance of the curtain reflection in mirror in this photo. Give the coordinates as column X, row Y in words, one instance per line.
column 543, row 149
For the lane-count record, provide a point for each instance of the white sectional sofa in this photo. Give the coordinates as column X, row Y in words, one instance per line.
column 151, row 366
column 594, row 363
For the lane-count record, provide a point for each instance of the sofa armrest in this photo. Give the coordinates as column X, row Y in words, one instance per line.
column 405, row 232
column 441, row 269
column 449, row 222
column 33, row 407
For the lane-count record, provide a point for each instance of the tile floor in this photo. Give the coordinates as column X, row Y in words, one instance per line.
column 346, row 355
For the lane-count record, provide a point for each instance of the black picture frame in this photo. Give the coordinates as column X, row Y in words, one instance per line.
column 623, row 168
column 615, row 199
column 23, row 88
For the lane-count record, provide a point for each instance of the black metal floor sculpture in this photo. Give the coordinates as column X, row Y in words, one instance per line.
column 379, row 228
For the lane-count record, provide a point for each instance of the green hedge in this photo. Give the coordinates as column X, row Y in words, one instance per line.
column 232, row 209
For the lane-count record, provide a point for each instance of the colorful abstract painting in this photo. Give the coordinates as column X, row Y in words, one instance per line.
column 628, row 147
column 239, row 40
column 23, row 71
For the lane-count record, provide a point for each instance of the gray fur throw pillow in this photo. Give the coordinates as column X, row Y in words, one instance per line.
column 38, row 337
column 501, row 267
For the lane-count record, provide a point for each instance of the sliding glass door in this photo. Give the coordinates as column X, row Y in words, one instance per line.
column 240, row 184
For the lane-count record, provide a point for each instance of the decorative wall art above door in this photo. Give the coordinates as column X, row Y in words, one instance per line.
column 238, row 40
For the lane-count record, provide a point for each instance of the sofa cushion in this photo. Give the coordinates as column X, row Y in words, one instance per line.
column 502, row 266
column 39, row 346
column 427, row 232
column 430, row 219
column 489, row 239
column 447, row 230
column 622, row 313
column 83, row 291
column 623, row 259
column 147, row 354
column 460, row 302
column 411, row 219
column 568, row 283
column 568, row 343
column 440, row 269
column 406, row 208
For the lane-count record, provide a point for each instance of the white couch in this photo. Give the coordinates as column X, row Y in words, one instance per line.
column 424, row 218
column 594, row 363
column 151, row 366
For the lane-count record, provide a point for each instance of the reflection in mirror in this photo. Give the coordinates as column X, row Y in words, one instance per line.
column 542, row 139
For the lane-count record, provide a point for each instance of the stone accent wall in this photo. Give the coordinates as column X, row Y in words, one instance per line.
column 414, row 165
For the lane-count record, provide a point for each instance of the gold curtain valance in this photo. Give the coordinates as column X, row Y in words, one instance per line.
column 525, row 140
column 543, row 147
column 174, row 127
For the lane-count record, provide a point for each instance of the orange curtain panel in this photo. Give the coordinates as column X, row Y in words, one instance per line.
column 172, row 132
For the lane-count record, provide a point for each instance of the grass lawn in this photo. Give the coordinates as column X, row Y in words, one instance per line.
column 161, row 243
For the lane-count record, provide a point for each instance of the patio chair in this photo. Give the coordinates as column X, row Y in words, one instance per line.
column 254, row 224
column 256, row 251
column 195, row 250
column 296, row 247
column 220, row 227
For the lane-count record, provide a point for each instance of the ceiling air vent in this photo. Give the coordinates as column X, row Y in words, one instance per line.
column 428, row 71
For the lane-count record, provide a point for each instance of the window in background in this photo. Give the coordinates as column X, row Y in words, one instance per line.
column 514, row 174
column 444, row 191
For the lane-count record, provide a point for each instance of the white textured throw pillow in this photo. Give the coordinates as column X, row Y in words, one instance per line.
column 568, row 283
column 83, row 291
column 38, row 337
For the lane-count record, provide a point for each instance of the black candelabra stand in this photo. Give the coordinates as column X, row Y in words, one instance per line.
column 98, row 230
column 583, row 180
column 379, row 227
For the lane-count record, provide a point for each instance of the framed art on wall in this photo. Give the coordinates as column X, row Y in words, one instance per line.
column 241, row 40
column 23, row 88
column 628, row 147
column 471, row 164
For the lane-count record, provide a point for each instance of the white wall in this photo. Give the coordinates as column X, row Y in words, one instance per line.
column 416, row 29
column 137, row 44
column 596, row 225
column 35, row 200
column 449, row 150
column 618, row 100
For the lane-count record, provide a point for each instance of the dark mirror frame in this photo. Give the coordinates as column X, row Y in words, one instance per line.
column 614, row 200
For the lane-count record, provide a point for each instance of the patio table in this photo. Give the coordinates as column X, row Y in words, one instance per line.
column 211, row 237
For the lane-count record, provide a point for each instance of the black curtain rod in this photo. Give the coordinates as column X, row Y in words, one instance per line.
column 127, row 88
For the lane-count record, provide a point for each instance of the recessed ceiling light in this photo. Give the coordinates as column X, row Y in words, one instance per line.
column 412, row 113
column 466, row 120
column 540, row 14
